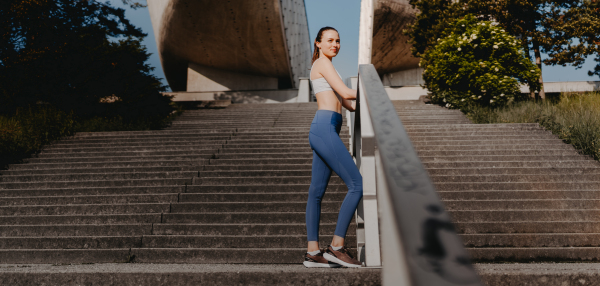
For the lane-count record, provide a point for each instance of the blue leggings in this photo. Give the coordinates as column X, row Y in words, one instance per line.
column 329, row 153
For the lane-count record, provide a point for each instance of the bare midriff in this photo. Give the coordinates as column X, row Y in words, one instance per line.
column 328, row 100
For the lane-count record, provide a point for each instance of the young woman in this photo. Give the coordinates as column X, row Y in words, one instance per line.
column 330, row 154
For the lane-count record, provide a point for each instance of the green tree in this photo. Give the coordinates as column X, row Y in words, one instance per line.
column 477, row 62
column 535, row 22
column 83, row 56
column 575, row 35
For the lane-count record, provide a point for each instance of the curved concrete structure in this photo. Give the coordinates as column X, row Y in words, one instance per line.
column 208, row 45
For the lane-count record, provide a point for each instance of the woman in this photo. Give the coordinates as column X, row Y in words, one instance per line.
column 330, row 153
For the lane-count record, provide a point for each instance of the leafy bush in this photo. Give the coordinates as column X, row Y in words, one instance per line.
column 477, row 63
column 29, row 129
column 575, row 118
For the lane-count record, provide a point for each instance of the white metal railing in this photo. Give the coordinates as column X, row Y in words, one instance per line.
column 400, row 207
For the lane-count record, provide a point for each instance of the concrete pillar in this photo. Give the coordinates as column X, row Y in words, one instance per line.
column 304, row 90
column 365, row 32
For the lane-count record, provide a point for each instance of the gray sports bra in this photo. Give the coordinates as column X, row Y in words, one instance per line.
column 321, row 84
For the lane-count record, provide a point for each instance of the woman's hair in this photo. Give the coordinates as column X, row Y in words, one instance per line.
column 318, row 39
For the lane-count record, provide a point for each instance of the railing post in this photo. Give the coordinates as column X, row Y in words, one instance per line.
column 363, row 149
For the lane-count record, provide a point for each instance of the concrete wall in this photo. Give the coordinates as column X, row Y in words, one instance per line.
column 382, row 42
column 203, row 78
column 262, row 38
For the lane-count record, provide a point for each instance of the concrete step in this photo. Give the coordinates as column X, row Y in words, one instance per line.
column 518, row 178
column 104, row 170
column 160, row 229
column 61, row 145
column 534, row 254
column 264, row 150
column 533, row 204
column 154, row 255
column 497, row 142
column 192, row 162
column 499, row 186
column 265, row 156
column 246, row 217
column 532, row 240
column 512, row 171
column 487, row 158
column 266, row 180
column 260, row 188
column 93, row 191
column 97, row 183
column 89, row 199
column 500, row 152
column 514, row 164
column 230, row 207
column 129, row 274
column 496, row 147
column 83, row 209
column 118, row 149
column 89, row 219
column 128, row 154
column 500, row 138
column 160, row 241
column 143, row 141
column 256, row 197
column 520, row 195
column 75, row 230
column 524, row 215
column 257, row 173
column 242, row 229
column 257, row 167
column 532, row 227
column 97, row 176
column 141, row 157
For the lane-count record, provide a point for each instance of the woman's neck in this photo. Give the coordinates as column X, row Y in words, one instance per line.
column 321, row 55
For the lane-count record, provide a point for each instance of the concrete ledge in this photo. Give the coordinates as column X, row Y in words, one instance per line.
column 183, row 274
column 567, row 86
column 249, row 96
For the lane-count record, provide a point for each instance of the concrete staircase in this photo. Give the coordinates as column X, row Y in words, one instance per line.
column 516, row 192
column 220, row 186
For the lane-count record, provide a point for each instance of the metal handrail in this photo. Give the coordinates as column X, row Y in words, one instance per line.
column 419, row 245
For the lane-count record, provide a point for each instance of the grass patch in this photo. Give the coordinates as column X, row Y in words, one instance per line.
column 27, row 130
column 575, row 118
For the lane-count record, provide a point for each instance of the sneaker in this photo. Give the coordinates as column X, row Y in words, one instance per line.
column 341, row 256
column 318, row 261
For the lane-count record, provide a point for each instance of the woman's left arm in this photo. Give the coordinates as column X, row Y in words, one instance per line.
column 349, row 104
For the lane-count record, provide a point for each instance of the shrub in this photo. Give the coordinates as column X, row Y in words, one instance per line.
column 29, row 129
column 477, row 63
column 575, row 118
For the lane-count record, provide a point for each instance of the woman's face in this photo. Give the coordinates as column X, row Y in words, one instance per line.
column 330, row 43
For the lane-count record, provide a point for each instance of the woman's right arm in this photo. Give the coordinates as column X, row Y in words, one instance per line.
column 326, row 69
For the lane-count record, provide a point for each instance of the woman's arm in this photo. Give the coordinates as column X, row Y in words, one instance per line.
column 326, row 69
column 349, row 104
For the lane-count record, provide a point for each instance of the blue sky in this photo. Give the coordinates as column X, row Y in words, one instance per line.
column 344, row 16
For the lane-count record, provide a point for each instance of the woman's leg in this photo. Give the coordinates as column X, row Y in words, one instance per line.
column 334, row 153
column 318, row 184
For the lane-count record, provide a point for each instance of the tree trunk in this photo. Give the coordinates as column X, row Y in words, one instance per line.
column 538, row 62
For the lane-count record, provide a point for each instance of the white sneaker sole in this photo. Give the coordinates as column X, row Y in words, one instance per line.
column 321, row 265
column 334, row 259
